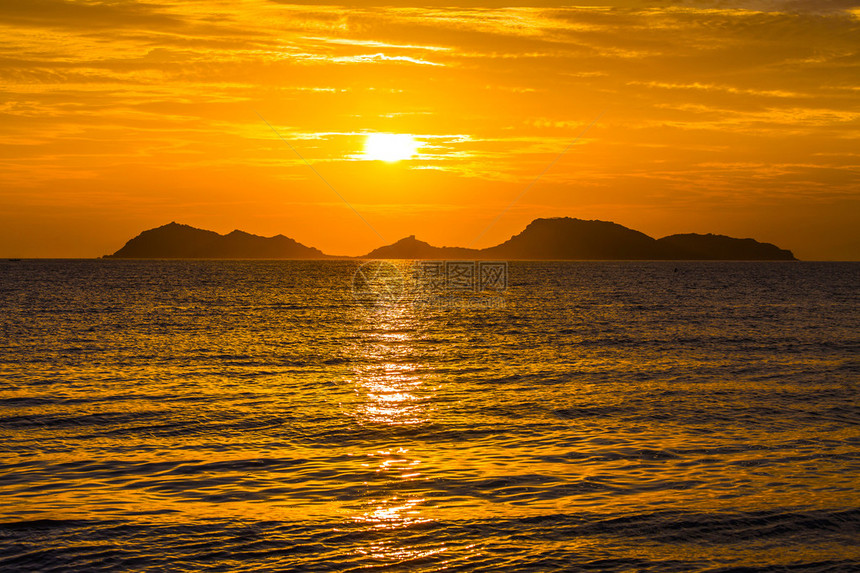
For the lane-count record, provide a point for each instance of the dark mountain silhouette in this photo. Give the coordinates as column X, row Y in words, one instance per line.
column 412, row 248
column 171, row 241
column 564, row 238
column 575, row 239
column 239, row 244
column 543, row 239
column 175, row 241
column 721, row 247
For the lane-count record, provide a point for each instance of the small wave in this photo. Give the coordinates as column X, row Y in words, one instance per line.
column 662, row 541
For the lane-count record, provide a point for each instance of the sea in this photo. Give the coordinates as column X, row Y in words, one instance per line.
column 399, row 416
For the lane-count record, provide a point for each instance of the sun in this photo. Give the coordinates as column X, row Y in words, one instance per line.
column 389, row 146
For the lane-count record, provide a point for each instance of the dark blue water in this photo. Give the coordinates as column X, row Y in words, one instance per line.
column 224, row 416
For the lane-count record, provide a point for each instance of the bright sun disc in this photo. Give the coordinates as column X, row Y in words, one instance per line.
column 389, row 146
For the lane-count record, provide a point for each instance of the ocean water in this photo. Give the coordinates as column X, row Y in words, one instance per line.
column 256, row 416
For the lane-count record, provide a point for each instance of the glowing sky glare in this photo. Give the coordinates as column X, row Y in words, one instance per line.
column 389, row 147
column 121, row 116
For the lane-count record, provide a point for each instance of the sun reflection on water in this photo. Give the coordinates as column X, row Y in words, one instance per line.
column 392, row 396
column 389, row 378
column 393, row 513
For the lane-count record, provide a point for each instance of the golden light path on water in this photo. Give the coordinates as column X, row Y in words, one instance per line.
column 392, row 391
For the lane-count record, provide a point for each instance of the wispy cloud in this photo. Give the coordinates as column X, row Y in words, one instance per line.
column 707, row 99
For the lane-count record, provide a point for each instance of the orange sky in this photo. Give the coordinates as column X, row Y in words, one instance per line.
column 119, row 116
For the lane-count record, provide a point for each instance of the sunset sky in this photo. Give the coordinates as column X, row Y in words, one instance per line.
column 741, row 118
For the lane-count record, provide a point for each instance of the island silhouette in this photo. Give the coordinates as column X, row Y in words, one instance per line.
column 560, row 238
